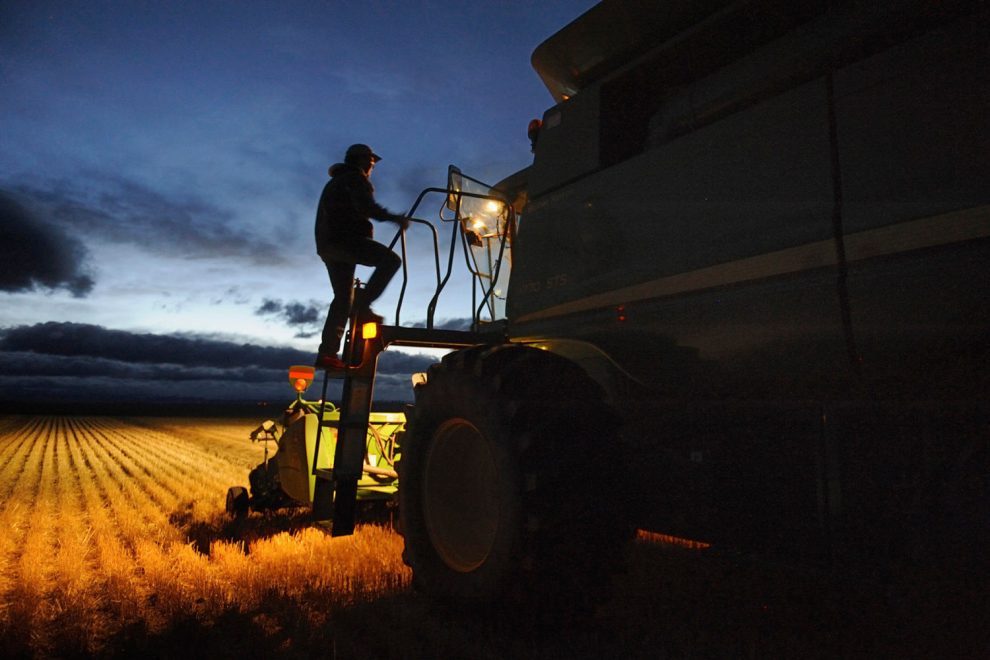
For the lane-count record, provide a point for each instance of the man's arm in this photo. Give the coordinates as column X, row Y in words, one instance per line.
column 363, row 198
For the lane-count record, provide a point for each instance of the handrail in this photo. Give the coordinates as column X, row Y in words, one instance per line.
column 401, row 234
column 443, row 279
column 476, row 311
column 432, row 307
column 509, row 217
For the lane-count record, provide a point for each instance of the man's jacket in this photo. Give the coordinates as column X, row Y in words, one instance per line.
column 347, row 203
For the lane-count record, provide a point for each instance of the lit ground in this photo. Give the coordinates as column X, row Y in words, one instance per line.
column 115, row 544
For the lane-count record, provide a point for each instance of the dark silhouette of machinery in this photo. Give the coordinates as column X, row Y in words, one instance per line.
column 747, row 306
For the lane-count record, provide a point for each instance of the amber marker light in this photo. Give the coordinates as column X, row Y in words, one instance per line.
column 533, row 132
column 369, row 330
column 301, row 377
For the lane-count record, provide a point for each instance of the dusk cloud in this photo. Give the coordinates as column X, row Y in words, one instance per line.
column 414, row 179
column 121, row 210
column 454, row 324
column 84, row 340
column 90, row 344
column 71, row 361
column 306, row 318
column 448, row 324
column 35, row 254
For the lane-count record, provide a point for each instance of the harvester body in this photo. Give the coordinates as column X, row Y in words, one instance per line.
column 746, row 305
column 763, row 228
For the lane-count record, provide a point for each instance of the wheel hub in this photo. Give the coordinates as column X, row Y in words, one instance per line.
column 460, row 495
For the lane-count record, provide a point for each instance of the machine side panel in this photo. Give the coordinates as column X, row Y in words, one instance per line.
column 789, row 378
column 295, row 456
column 712, row 260
column 717, row 247
column 914, row 138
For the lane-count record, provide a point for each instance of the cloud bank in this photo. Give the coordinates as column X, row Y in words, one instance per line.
column 117, row 209
column 35, row 254
column 306, row 318
column 73, row 361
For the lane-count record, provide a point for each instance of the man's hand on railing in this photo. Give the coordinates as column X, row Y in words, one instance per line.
column 402, row 221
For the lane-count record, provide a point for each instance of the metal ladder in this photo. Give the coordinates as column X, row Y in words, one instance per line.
column 335, row 491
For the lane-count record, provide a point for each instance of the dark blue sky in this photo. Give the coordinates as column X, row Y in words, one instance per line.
column 161, row 163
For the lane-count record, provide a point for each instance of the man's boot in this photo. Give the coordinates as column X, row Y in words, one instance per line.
column 329, row 362
column 362, row 309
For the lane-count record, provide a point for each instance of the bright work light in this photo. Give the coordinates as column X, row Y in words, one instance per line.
column 369, row 330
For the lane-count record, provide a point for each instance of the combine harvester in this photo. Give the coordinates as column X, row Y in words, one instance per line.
column 747, row 306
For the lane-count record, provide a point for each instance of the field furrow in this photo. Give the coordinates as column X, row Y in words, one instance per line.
column 21, row 479
column 11, row 429
column 138, row 467
column 72, row 596
column 17, row 451
column 15, row 423
column 187, row 453
column 119, row 589
column 136, row 505
column 185, row 470
column 223, row 438
column 32, row 566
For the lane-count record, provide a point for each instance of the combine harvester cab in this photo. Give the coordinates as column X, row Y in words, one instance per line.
column 288, row 478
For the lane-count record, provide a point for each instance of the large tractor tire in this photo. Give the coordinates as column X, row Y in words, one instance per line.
column 511, row 483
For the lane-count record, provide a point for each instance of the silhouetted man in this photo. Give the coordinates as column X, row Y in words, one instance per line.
column 344, row 239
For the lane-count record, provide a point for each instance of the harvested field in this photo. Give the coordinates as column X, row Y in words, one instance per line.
column 116, row 534
column 115, row 544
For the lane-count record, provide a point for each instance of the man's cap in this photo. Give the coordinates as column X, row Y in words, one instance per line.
column 358, row 150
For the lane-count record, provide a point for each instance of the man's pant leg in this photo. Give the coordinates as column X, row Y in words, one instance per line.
column 341, row 258
column 367, row 252
column 341, row 280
